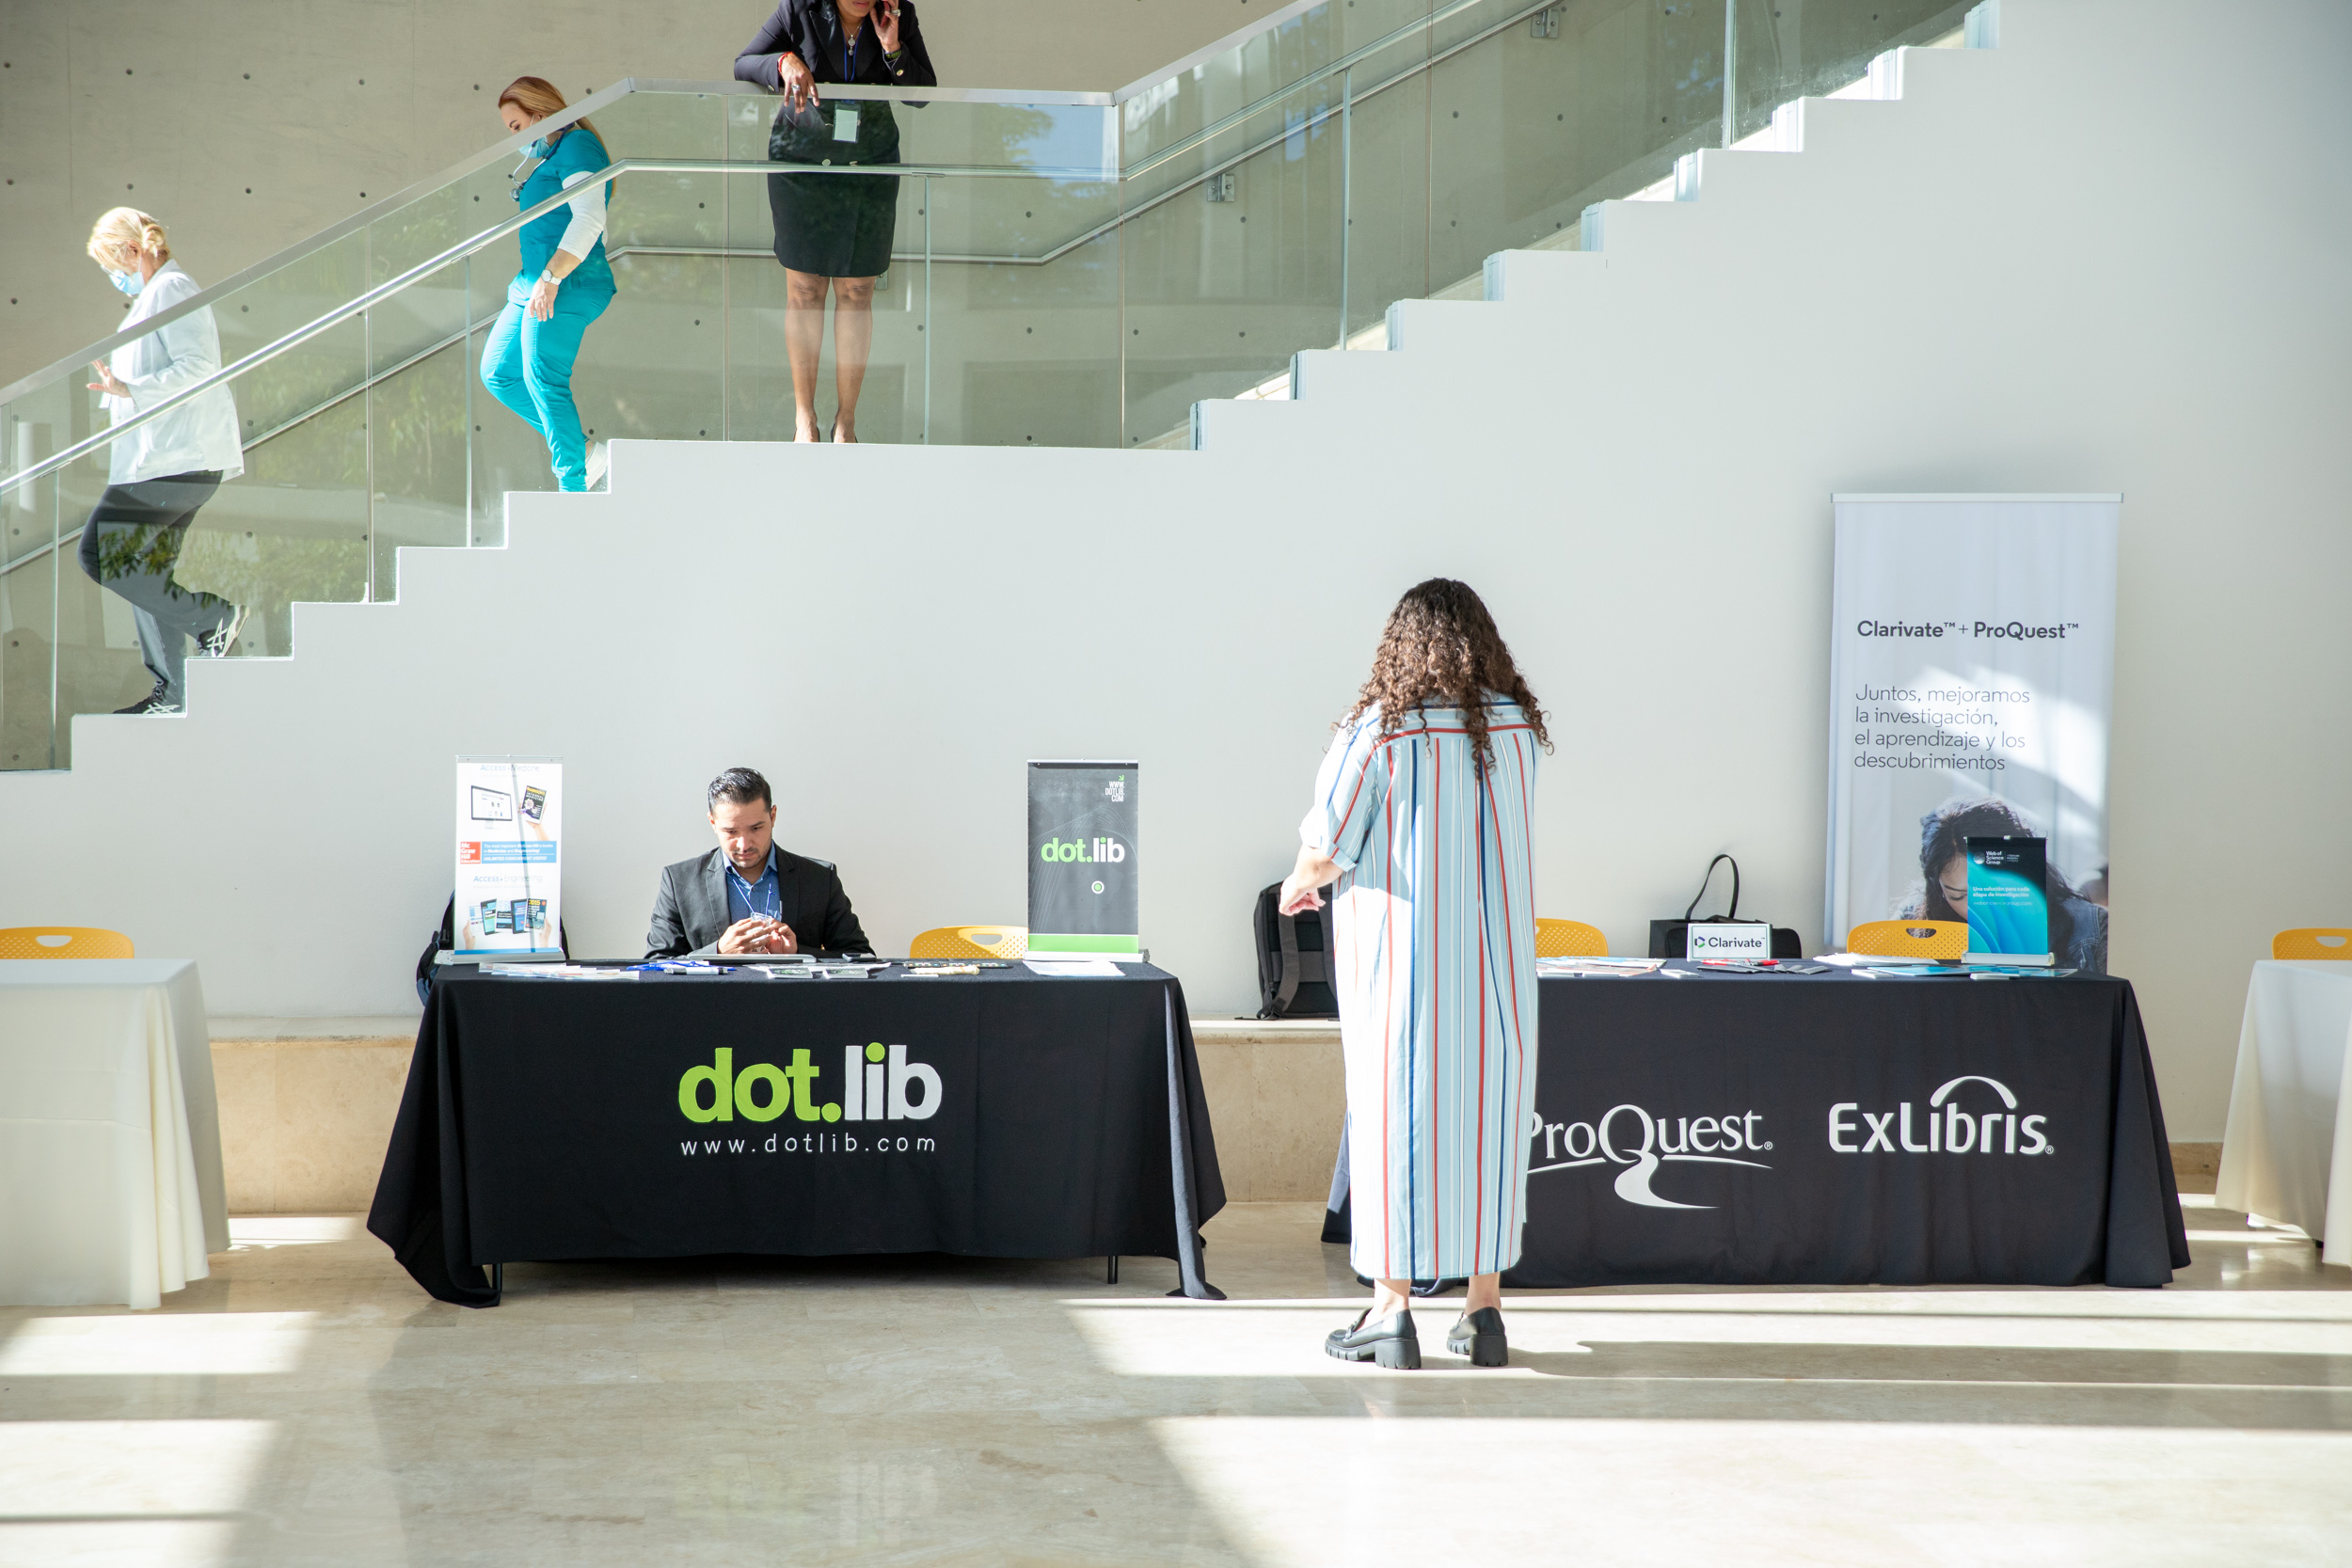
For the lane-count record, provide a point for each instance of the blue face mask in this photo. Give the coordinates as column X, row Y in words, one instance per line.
column 536, row 149
column 129, row 282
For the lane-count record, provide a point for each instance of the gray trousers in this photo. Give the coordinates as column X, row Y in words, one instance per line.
column 131, row 544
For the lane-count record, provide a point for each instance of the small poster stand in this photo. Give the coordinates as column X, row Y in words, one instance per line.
column 2009, row 903
column 509, row 883
column 1082, row 863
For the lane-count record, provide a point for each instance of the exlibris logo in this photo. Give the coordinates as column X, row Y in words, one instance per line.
column 1949, row 1129
column 1698, row 1140
column 880, row 1084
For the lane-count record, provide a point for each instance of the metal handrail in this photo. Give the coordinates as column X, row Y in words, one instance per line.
column 361, row 302
column 911, row 96
column 495, row 153
column 1323, row 73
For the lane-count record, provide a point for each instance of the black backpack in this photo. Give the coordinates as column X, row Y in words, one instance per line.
column 441, row 940
column 1294, row 961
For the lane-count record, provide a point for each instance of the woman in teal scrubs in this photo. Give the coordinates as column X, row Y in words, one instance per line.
column 565, row 283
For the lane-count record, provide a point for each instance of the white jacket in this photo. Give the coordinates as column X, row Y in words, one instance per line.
column 197, row 435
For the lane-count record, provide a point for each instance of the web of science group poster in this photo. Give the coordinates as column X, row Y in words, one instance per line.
column 1972, row 675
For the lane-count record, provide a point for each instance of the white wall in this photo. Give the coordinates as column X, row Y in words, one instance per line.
column 246, row 125
column 2107, row 256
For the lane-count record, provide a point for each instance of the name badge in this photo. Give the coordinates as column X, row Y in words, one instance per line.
column 845, row 122
column 1741, row 939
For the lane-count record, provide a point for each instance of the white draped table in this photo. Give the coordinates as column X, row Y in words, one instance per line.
column 2287, row 1154
column 110, row 1181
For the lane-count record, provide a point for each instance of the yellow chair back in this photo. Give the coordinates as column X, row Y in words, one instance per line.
column 971, row 942
column 63, row 941
column 2309, row 941
column 1909, row 938
column 1569, row 939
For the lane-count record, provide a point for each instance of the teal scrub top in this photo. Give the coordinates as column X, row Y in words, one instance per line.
column 576, row 152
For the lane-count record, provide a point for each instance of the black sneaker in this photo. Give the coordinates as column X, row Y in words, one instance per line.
column 216, row 643
column 157, row 700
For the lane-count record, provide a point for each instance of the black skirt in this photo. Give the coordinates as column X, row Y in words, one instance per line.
column 834, row 225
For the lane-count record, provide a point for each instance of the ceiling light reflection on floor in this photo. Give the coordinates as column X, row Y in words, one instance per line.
column 274, row 1230
column 1311, row 1491
column 156, row 1345
column 125, row 1470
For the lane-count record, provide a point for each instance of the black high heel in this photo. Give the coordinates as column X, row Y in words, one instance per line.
column 1391, row 1342
column 1479, row 1336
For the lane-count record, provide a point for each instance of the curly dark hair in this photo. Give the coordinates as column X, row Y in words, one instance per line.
column 1441, row 649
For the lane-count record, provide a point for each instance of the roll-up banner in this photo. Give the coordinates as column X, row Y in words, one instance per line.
column 510, row 825
column 1082, row 859
column 1972, row 673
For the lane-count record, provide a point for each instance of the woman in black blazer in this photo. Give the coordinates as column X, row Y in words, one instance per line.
column 834, row 231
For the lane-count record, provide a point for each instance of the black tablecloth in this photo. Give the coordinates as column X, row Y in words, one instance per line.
column 548, row 1119
column 1727, row 1100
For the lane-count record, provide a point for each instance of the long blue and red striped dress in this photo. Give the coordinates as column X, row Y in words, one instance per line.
column 1434, row 919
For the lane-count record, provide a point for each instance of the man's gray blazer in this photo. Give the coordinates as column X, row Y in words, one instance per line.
column 689, row 913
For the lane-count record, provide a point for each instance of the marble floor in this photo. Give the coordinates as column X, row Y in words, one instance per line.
column 306, row 1405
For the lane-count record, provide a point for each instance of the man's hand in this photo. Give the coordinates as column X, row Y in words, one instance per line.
column 106, row 382
column 1297, row 896
column 798, row 82
column 758, row 934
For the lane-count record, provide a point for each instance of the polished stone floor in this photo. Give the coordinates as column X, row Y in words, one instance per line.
column 306, row 1405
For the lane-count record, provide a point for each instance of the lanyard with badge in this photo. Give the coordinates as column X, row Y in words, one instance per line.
column 845, row 114
column 767, row 908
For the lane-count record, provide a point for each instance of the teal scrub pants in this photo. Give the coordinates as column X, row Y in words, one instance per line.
column 527, row 365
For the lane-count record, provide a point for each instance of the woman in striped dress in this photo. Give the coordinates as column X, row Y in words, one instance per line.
column 1421, row 817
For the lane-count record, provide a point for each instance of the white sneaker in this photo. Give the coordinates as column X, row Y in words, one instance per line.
column 599, row 464
column 216, row 643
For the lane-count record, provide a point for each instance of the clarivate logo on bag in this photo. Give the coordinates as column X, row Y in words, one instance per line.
column 1951, row 1128
column 1630, row 1136
column 879, row 1084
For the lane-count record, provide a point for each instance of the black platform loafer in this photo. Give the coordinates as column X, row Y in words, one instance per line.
column 1479, row 1336
column 1392, row 1342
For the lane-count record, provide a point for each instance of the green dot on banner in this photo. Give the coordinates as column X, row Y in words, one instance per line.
column 833, row 1113
column 874, row 1051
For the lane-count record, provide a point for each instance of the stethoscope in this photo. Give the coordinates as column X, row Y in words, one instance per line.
column 520, row 174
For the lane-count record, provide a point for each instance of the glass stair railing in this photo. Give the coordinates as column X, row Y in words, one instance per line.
column 1069, row 269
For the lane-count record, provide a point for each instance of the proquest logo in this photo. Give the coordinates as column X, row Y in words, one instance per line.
column 1628, row 1135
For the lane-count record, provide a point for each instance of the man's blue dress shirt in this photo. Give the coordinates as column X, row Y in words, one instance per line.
column 762, row 897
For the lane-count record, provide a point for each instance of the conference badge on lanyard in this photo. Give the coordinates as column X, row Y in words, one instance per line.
column 845, row 115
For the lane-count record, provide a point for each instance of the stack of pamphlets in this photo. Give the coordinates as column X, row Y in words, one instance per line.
column 557, row 972
column 1549, row 967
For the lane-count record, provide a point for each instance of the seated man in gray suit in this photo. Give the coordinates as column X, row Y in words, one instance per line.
column 747, row 896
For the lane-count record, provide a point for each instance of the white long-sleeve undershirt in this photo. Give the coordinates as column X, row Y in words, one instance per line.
column 587, row 210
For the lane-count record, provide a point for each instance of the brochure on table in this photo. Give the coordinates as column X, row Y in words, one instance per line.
column 1082, row 862
column 2008, row 906
column 510, row 827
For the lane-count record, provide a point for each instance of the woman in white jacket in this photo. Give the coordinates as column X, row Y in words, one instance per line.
column 164, row 470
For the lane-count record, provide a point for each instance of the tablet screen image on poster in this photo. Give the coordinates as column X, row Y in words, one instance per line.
column 2008, row 906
